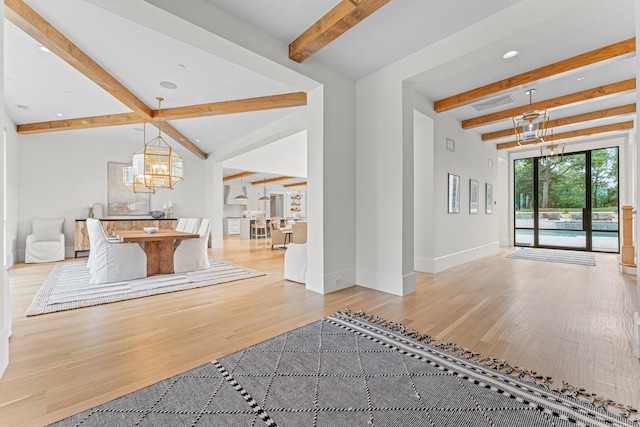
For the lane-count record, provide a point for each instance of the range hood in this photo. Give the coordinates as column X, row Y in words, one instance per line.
column 230, row 199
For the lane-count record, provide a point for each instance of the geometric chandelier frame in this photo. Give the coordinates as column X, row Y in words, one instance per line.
column 531, row 126
column 156, row 165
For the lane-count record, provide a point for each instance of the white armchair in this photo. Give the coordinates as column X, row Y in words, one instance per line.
column 46, row 241
column 191, row 254
column 113, row 262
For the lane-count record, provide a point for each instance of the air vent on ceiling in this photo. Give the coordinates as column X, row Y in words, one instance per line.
column 493, row 102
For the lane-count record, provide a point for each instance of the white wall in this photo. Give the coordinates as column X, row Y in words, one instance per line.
column 287, row 156
column 5, row 291
column 423, row 196
column 329, row 122
column 60, row 174
column 463, row 236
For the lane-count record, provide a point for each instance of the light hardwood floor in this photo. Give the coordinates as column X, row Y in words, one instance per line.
column 570, row 322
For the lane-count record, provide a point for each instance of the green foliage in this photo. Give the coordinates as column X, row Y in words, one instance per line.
column 561, row 184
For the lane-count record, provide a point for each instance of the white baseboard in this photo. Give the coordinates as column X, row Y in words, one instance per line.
column 400, row 285
column 339, row 280
column 629, row 270
column 436, row 265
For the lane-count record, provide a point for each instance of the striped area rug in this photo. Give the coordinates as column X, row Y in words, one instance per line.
column 67, row 286
column 554, row 255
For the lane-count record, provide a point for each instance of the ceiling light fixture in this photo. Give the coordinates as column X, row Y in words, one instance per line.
column 158, row 164
column 168, row 85
column 43, row 49
column 241, row 196
column 550, row 151
column 531, row 126
column 136, row 181
column 265, row 198
column 510, row 54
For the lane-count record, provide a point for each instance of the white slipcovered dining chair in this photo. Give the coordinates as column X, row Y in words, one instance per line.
column 191, row 254
column 46, row 241
column 113, row 262
column 188, row 225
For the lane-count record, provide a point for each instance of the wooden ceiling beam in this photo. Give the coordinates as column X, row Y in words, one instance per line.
column 277, row 178
column 573, row 134
column 295, row 184
column 344, row 16
column 203, row 110
column 270, row 102
column 593, row 115
column 29, row 21
column 80, row 123
column 613, row 88
column 237, row 175
column 616, row 50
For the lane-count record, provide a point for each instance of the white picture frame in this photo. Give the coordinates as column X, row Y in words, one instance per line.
column 453, row 205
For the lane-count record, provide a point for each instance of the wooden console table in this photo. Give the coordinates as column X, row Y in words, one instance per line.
column 112, row 226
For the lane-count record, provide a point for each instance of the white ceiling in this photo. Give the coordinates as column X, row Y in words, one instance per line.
column 141, row 58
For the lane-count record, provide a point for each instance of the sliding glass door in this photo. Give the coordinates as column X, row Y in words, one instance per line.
column 568, row 201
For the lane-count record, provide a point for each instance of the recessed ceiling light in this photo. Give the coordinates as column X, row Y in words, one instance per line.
column 43, row 49
column 182, row 66
column 59, row 114
column 197, row 140
column 580, row 78
column 510, row 54
column 168, row 85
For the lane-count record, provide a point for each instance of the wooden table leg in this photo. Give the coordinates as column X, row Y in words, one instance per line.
column 159, row 257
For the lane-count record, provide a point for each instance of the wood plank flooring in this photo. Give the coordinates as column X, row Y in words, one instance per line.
column 570, row 322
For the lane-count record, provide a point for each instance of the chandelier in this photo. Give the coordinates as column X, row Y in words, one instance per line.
column 133, row 181
column 156, row 165
column 531, row 126
column 552, row 150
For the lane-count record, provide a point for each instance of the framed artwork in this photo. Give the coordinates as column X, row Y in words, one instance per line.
column 454, row 194
column 474, row 190
column 489, row 194
column 121, row 200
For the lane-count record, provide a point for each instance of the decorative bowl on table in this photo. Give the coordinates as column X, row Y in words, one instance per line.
column 150, row 229
column 157, row 214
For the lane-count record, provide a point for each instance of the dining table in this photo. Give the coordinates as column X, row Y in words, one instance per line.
column 158, row 246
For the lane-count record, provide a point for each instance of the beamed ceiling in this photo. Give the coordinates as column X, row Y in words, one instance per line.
column 588, row 92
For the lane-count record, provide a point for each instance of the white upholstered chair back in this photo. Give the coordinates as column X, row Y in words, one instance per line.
column 113, row 262
column 192, row 254
column 188, row 225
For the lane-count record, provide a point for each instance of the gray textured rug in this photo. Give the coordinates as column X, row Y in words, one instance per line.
column 352, row 369
column 67, row 286
column 554, row 255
